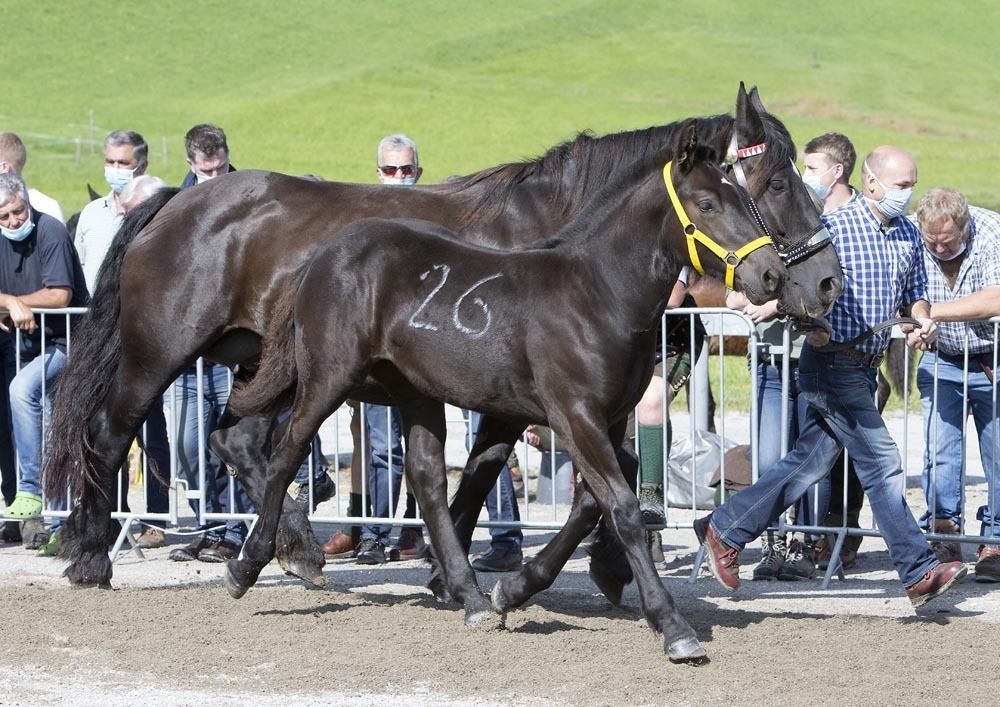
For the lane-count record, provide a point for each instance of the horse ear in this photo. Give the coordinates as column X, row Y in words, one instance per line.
column 749, row 127
column 687, row 143
column 93, row 194
column 756, row 102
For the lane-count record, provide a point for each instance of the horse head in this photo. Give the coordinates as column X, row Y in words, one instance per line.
column 726, row 241
column 761, row 157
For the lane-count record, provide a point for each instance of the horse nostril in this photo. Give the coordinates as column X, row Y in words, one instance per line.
column 830, row 288
column 771, row 282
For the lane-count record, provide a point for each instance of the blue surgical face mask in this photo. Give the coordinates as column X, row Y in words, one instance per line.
column 18, row 234
column 813, row 181
column 895, row 202
column 400, row 181
column 117, row 178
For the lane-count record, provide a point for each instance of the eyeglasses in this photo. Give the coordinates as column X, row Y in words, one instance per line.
column 390, row 170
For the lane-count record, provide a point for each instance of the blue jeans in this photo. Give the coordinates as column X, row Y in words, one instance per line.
column 769, row 402
column 943, row 429
column 841, row 412
column 8, row 462
column 27, row 409
column 385, row 426
column 502, row 491
column 215, row 395
column 315, row 454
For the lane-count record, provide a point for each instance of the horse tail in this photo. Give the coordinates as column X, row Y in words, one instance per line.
column 83, row 384
column 277, row 372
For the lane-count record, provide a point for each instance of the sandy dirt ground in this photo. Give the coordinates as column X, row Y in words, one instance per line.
column 169, row 634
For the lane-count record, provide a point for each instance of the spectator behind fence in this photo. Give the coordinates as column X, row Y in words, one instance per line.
column 38, row 269
column 655, row 433
column 829, row 162
column 872, row 237
column 397, row 163
column 138, row 190
column 13, row 158
column 962, row 259
column 125, row 162
column 215, row 541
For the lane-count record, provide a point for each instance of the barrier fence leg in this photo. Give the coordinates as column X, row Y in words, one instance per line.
column 124, row 535
column 835, row 564
column 699, row 557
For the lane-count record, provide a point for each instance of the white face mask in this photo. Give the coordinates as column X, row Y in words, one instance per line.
column 201, row 178
column 814, row 181
column 118, row 178
column 895, row 201
column 20, row 233
column 399, row 181
column 950, row 257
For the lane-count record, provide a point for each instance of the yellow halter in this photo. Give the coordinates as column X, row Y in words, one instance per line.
column 732, row 258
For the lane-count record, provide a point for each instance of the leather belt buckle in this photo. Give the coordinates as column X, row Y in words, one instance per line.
column 876, row 360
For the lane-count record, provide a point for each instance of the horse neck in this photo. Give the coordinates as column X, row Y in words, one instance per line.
column 630, row 248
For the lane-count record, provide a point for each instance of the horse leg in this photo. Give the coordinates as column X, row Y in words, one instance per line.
column 313, row 403
column 87, row 532
column 240, row 443
column 490, row 451
column 593, row 455
column 424, row 426
column 609, row 567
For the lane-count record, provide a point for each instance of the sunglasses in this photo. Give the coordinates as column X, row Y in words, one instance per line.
column 390, row 170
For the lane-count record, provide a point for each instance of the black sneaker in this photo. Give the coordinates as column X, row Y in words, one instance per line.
column 371, row 551
column 651, row 504
column 10, row 533
column 324, row 489
column 772, row 562
column 498, row 559
column 799, row 563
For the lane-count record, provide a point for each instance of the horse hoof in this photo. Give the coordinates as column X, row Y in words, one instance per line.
column 610, row 586
column 308, row 574
column 498, row 599
column 484, row 620
column 438, row 589
column 687, row 650
column 236, row 578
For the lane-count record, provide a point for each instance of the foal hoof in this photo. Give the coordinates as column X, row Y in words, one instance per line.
column 239, row 577
column 498, row 599
column 484, row 620
column 438, row 588
column 610, row 586
column 687, row 650
column 307, row 573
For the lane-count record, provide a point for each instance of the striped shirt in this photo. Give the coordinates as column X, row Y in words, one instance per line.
column 883, row 271
column 980, row 269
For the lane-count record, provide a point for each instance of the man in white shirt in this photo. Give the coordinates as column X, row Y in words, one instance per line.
column 13, row 157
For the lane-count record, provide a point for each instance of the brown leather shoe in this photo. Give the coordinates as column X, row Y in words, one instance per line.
column 339, row 545
column 935, row 582
column 723, row 561
column 411, row 545
column 988, row 566
column 221, row 551
column 190, row 552
column 944, row 551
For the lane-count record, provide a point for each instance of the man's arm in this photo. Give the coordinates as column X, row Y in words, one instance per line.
column 979, row 305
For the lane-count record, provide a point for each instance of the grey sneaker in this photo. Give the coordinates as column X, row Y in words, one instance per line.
column 773, row 559
column 651, row 504
column 799, row 563
column 371, row 552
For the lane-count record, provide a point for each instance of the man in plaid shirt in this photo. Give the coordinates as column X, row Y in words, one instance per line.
column 880, row 253
column 962, row 260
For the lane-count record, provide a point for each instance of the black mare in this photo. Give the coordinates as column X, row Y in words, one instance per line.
column 561, row 333
column 199, row 272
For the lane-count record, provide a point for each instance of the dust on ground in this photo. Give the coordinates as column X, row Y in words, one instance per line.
column 169, row 634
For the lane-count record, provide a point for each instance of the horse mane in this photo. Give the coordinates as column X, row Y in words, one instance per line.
column 577, row 168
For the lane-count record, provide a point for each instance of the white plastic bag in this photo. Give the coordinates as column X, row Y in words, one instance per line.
column 708, row 453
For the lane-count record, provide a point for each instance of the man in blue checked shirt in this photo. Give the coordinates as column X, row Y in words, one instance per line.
column 881, row 254
column 962, row 260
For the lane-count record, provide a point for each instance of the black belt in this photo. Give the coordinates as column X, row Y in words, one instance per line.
column 871, row 360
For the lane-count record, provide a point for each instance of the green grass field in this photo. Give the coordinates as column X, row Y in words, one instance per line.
column 308, row 86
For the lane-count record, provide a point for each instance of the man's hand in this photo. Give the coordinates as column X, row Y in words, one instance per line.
column 922, row 338
column 763, row 312
column 18, row 314
column 532, row 436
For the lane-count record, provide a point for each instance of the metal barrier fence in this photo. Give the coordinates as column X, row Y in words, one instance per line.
column 735, row 427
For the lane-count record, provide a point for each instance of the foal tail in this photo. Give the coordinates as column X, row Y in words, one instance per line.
column 83, row 385
column 277, row 372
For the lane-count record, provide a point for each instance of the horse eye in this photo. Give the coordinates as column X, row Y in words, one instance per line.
column 705, row 205
column 776, row 185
